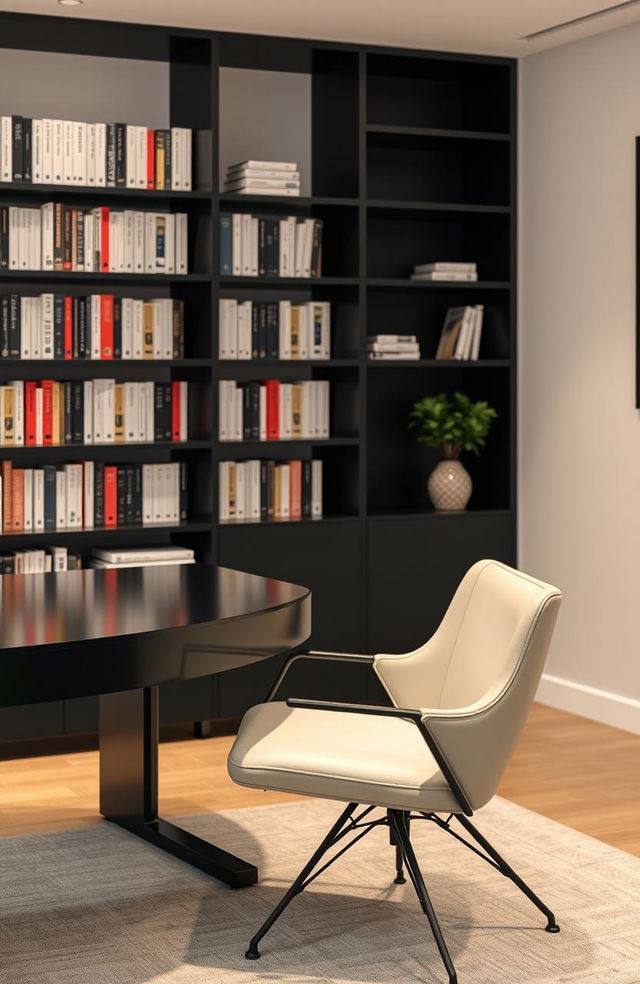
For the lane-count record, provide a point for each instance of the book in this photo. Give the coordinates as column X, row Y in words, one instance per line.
column 265, row 490
column 442, row 267
column 445, row 275
column 144, row 554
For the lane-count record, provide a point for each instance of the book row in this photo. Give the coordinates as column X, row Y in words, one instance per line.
column 111, row 155
column 149, row 556
column 445, row 271
column 57, row 237
column 263, row 178
column 97, row 326
column 274, row 330
column 92, row 411
column 42, row 560
column 260, row 491
column 461, row 333
column 264, row 246
column 91, row 495
column 271, row 410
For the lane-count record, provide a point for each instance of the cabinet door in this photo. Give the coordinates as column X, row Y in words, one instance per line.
column 32, row 721
column 326, row 558
column 415, row 565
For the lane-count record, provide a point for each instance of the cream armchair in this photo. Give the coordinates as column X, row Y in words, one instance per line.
column 460, row 702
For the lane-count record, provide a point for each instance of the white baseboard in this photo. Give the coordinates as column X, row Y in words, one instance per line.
column 599, row 705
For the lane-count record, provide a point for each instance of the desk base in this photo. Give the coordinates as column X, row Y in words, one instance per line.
column 129, row 786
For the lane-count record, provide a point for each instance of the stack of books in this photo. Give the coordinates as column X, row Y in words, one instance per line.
column 461, row 333
column 274, row 411
column 392, row 347
column 274, row 330
column 141, row 556
column 258, row 491
column 95, row 326
column 43, row 560
column 270, row 246
column 57, row 237
column 91, row 494
column 263, row 178
column 445, row 271
column 104, row 155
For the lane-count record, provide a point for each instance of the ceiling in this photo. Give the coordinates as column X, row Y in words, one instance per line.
column 490, row 27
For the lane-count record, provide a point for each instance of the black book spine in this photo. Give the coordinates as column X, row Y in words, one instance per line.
column 82, row 328
column 271, row 467
column 14, row 327
column 167, row 160
column 58, row 326
column 178, row 329
column 272, row 328
column 7, row 564
column 129, row 509
column 75, row 326
column 4, row 237
column 117, row 327
column 111, row 155
column 98, row 493
column 264, row 479
column 158, row 411
column 67, row 258
column 50, row 472
column 167, row 411
column 4, row 326
column 80, row 250
column 255, row 347
column 121, row 155
column 254, row 389
column 306, row 489
column 78, row 412
column 27, row 147
column 263, row 348
column 58, row 236
column 68, row 413
column 184, row 492
column 137, row 495
column 122, row 494
column 272, row 247
column 247, row 422
column 316, row 249
column 262, row 247
column 17, row 150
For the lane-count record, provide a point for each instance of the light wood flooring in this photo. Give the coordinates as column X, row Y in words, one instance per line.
column 580, row 773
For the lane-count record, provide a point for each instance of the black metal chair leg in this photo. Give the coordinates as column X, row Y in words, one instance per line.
column 393, row 840
column 421, row 890
column 508, row 872
column 253, row 953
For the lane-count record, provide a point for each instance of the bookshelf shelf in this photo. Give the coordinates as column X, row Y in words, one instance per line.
column 407, row 157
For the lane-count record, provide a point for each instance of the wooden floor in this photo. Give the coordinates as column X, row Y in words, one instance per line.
column 583, row 774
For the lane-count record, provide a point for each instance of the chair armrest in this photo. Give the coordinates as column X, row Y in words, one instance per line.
column 313, row 654
column 409, row 714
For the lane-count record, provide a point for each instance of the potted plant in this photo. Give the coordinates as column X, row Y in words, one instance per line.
column 455, row 425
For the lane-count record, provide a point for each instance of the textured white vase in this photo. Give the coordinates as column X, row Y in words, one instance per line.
column 449, row 486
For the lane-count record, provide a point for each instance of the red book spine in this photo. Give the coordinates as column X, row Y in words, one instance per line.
column 110, row 495
column 151, row 159
column 106, row 326
column 30, row 421
column 68, row 327
column 104, row 239
column 273, row 409
column 175, row 411
column 47, row 411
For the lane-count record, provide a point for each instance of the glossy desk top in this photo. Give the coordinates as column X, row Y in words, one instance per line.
column 45, row 609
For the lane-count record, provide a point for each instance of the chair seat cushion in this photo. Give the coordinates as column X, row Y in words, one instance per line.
column 344, row 756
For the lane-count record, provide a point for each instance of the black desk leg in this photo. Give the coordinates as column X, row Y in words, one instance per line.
column 129, row 786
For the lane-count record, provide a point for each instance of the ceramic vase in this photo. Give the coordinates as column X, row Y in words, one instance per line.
column 449, row 486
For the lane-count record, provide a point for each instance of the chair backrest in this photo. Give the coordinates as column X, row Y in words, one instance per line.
column 484, row 661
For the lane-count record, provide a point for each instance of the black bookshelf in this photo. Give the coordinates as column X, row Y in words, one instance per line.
column 413, row 158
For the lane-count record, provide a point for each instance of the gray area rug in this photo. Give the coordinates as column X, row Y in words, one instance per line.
column 97, row 906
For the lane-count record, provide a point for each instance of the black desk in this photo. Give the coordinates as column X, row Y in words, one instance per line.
column 121, row 633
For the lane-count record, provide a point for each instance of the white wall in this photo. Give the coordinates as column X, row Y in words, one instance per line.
column 579, row 429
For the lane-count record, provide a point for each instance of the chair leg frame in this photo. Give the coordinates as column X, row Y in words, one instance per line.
column 398, row 823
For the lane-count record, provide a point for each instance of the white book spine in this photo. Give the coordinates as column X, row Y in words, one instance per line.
column 131, row 412
column 241, row 491
column 14, row 238
column 47, row 234
column 138, row 242
column 263, row 413
column 28, row 500
column 223, row 491
column 284, row 334
column 181, row 243
column 38, row 499
column 101, row 155
column 88, row 477
column 74, row 496
column 95, row 326
column 36, row 162
column 148, row 489
column 47, row 151
column 141, row 156
column 127, row 327
column 6, row 149
column 58, row 152
column 46, row 305
column 89, row 237
column 91, row 154
column 170, row 245
column 131, row 177
column 129, row 218
column 244, row 330
column 316, row 489
column 67, row 152
column 61, row 499
column 87, row 406
column 246, row 244
column 285, row 497
column 79, row 165
column 138, row 328
column 149, row 242
column 176, row 150
column 255, row 232
column 236, row 244
column 184, row 411
column 109, row 410
column 39, row 417
column 18, row 412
